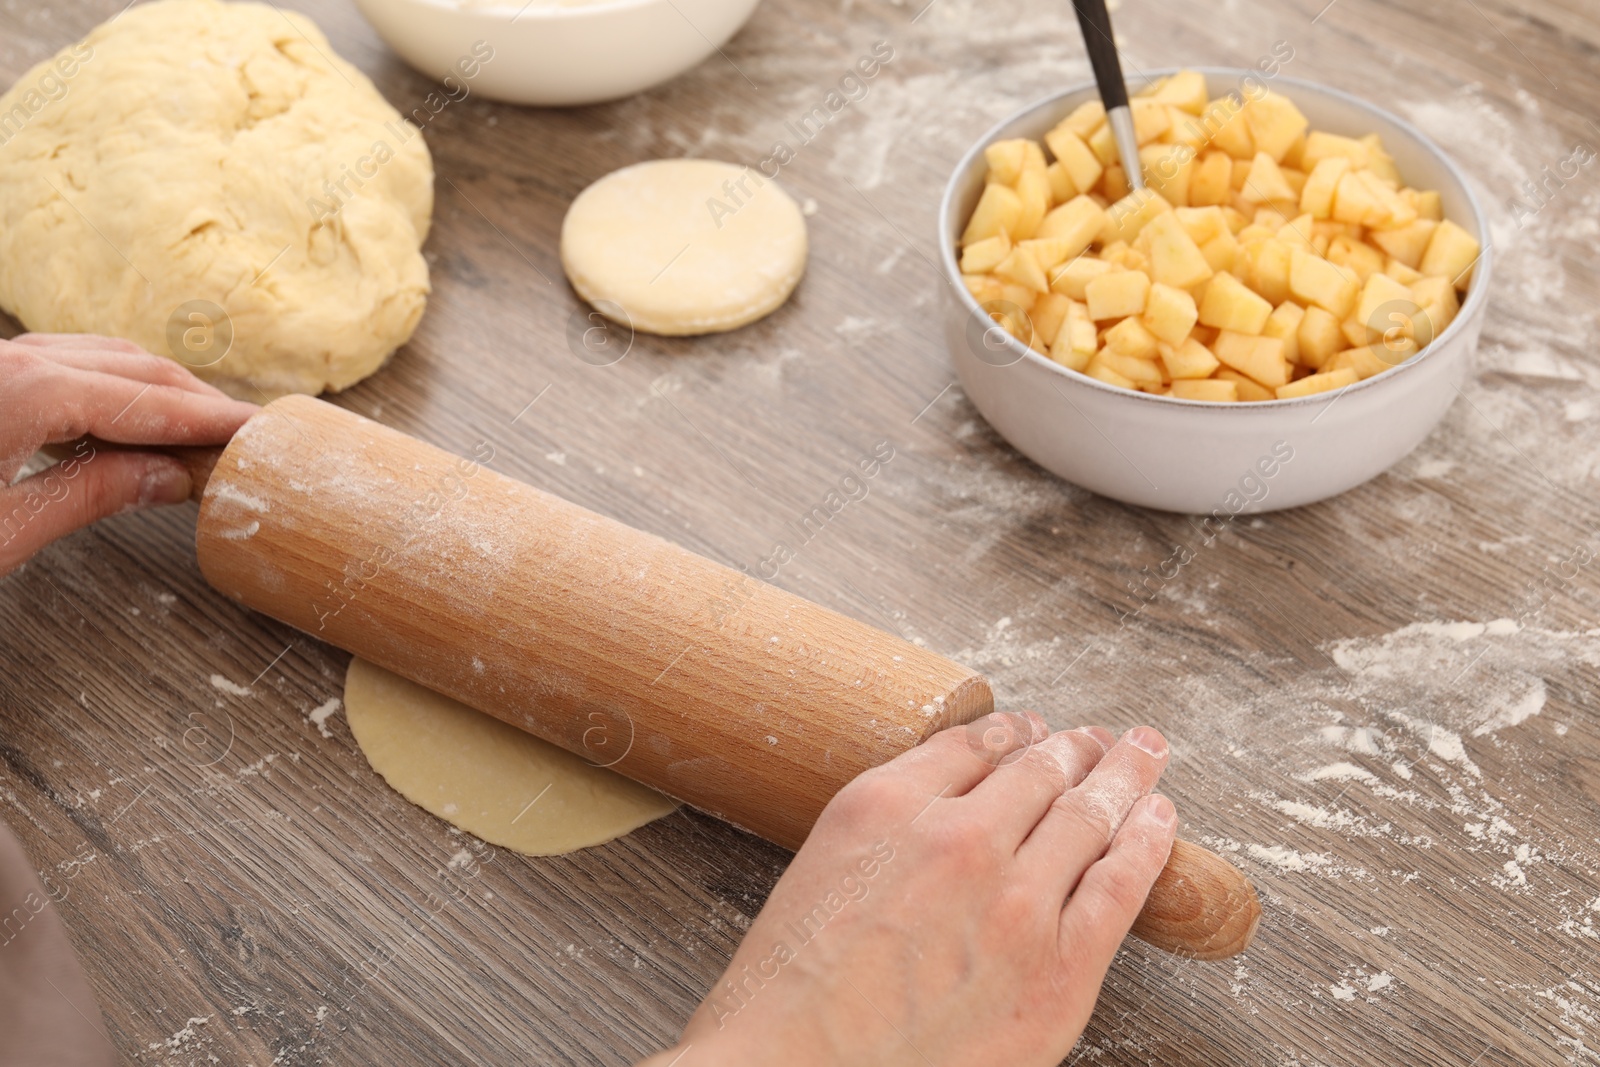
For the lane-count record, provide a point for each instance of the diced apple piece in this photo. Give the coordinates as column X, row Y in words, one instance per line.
column 1077, row 222
column 1126, row 257
column 1230, row 131
column 1047, row 314
column 1439, row 308
column 1127, row 216
column 1072, row 278
column 1212, row 179
column 1355, row 332
column 1017, row 296
column 1103, row 144
column 1318, row 383
column 1451, row 253
column 980, row 257
column 1098, row 370
column 1130, row 338
column 1202, row 223
column 1073, row 153
column 1213, row 389
column 1005, row 159
column 1265, row 182
column 1316, row 281
column 1354, row 200
column 1400, row 272
column 1379, row 161
column 1360, row 258
column 1168, row 169
column 1021, row 268
column 1261, row 358
column 1236, row 179
column 1150, row 119
column 1114, row 186
column 1062, row 188
column 1322, row 182
column 1275, row 123
column 1297, row 233
column 1284, row 324
column 1248, row 388
column 1190, row 359
column 1393, row 211
column 1115, row 296
column 1230, row 305
column 1292, row 155
column 984, row 288
column 1075, row 341
column 1169, row 313
column 1175, row 259
column 1033, row 189
column 1185, row 130
column 1318, row 337
column 1321, row 146
column 1086, row 118
column 1368, row 360
column 1269, row 270
column 1385, row 304
column 1221, row 251
column 1185, row 90
column 997, row 212
column 1049, row 252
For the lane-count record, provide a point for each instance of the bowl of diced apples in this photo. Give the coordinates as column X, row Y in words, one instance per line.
column 1286, row 310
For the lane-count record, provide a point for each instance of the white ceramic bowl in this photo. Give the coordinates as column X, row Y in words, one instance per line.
column 1197, row 457
column 553, row 55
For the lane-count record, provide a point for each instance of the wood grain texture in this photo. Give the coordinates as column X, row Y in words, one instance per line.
column 1416, row 800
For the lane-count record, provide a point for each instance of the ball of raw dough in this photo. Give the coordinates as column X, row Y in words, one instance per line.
column 684, row 246
column 190, row 153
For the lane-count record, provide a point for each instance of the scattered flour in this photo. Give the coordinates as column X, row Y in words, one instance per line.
column 320, row 714
column 1339, row 772
column 180, row 1040
column 1287, row 859
column 219, row 682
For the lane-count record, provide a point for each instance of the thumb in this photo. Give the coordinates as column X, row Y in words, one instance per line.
column 75, row 493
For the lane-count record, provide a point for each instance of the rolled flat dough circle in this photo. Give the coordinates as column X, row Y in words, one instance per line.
column 684, row 246
column 485, row 776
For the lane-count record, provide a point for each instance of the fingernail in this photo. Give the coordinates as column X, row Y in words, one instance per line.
column 1100, row 734
column 164, row 482
column 1148, row 740
column 1158, row 809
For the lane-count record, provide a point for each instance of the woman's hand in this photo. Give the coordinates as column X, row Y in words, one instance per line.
column 57, row 388
column 958, row 906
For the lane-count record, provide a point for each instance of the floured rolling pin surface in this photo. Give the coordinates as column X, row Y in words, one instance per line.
column 730, row 694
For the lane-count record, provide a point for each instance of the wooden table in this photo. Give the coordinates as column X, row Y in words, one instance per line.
column 1383, row 707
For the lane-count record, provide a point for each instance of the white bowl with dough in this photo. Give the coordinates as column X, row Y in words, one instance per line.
column 555, row 53
column 1193, row 456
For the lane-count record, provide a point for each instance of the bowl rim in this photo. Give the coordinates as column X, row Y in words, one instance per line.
column 1477, row 292
column 533, row 11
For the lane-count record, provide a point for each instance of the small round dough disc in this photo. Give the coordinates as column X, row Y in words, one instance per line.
column 684, row 246
column 488, row 777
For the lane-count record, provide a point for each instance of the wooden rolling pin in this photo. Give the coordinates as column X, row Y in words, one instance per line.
column 691, row 677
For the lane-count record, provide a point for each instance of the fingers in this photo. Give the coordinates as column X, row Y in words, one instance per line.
column 952, row 761
column 107, row 355
column 1082, row 821
column 1017, row 795
column 75, row 340
column 77, row 492
column 1113, row 890
column 73, row 402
